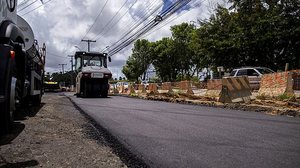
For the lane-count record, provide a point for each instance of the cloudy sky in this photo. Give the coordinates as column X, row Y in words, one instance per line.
column 61, row 24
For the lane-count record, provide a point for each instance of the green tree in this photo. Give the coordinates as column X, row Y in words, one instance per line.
column 181, row 35
column 270, row 32
column 164, row 60
column 138, row 63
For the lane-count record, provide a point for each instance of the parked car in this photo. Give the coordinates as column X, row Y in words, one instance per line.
column 251, row 71
column 254, row 74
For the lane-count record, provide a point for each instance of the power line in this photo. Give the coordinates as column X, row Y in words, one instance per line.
column 132, row 24
column 110, row 28
column 170, row 20
column 133, row 38
column 95, row 19
column 111, row 19
column 135, row 26
column 154, row 22
column 36, row 7
column 27, row 5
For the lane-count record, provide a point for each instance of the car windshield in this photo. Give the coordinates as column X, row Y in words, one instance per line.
column 93, row 61
column 233, row 73
column 265, row 70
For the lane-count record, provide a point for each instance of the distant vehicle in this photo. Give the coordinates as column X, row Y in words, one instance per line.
column 51, row 86
column 93, row 74
column 254, row 74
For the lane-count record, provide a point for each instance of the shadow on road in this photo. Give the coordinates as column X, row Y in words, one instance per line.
column 17, row 128
column 28, row 112
column 29, row 163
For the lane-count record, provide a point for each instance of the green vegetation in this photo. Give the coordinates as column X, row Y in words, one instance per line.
column 284, row 96
column 262, row 97
column 249, row 33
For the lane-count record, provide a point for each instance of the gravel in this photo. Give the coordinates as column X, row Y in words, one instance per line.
column 56, row 135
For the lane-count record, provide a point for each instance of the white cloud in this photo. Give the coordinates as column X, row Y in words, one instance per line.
column 62, row 23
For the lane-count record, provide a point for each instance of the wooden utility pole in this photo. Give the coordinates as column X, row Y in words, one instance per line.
column 72, row 63
column 89, row 41
column 62, row 67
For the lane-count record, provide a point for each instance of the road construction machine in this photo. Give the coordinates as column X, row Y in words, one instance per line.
column 22, row 63
column 92, row 74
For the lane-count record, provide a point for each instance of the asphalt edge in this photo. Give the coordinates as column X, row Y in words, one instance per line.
column 232, row 106
column 127, row 157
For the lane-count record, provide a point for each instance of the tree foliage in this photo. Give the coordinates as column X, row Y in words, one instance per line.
column 139, row 61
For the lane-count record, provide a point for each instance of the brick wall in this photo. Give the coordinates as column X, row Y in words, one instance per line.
column 152, row 87
column 185, row 85
column 214, row 84
column 166, row 86
column 276, row 84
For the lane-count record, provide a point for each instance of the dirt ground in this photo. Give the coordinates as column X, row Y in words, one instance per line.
column 271, row 107
column 56, row 135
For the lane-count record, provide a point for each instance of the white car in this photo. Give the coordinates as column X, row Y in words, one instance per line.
column 254, row 74
column 251, row 71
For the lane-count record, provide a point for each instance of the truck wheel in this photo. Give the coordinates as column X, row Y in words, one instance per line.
column 8, row 107
column 104, row 94
column 104, row 91
column 88, row 89
column 85, row 91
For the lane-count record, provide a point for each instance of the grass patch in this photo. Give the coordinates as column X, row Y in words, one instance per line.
column 284, row 97
column 261, row 97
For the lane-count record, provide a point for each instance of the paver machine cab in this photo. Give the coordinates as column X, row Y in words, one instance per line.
column 93, row 75
column 21, row 64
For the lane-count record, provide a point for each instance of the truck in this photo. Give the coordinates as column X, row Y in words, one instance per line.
column 22, row 63
column 92, row 74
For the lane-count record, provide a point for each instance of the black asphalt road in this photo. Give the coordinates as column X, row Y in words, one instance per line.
column 176, row 135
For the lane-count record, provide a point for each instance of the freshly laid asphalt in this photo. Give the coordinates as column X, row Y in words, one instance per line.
column 176, row 135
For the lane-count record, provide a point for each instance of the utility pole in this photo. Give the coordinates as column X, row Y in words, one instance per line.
column 71, row 74
column 72, row 63
column 62, row 67
column 89, row 41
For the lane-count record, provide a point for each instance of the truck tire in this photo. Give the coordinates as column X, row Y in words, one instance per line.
column 8, row 106
column 84, row 90
column 104, row 93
